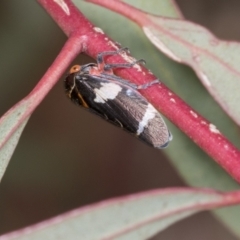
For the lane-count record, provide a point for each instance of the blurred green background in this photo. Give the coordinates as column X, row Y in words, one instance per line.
column 67, row 157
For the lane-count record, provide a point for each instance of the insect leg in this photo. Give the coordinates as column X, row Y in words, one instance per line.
column 146, row 85
column 122, row 65
column 102, row 54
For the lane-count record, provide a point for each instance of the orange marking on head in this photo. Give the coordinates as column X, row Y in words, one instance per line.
column 75, row 68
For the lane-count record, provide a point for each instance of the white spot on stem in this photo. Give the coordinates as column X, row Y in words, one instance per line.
column 193, row 114
column 111, row 43
column 99, row 30
column 63, row 5
column 226, row 146
column 213, row 129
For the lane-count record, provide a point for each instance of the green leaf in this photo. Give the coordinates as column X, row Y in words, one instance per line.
column 137, row 216
column 11, row 127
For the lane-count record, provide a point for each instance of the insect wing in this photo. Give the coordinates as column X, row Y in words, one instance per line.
column 122, row 105
column 141, row 118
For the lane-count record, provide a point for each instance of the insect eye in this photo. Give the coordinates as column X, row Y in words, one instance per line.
column 75, row 68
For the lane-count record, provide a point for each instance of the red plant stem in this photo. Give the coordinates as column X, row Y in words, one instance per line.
column 203, row 133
